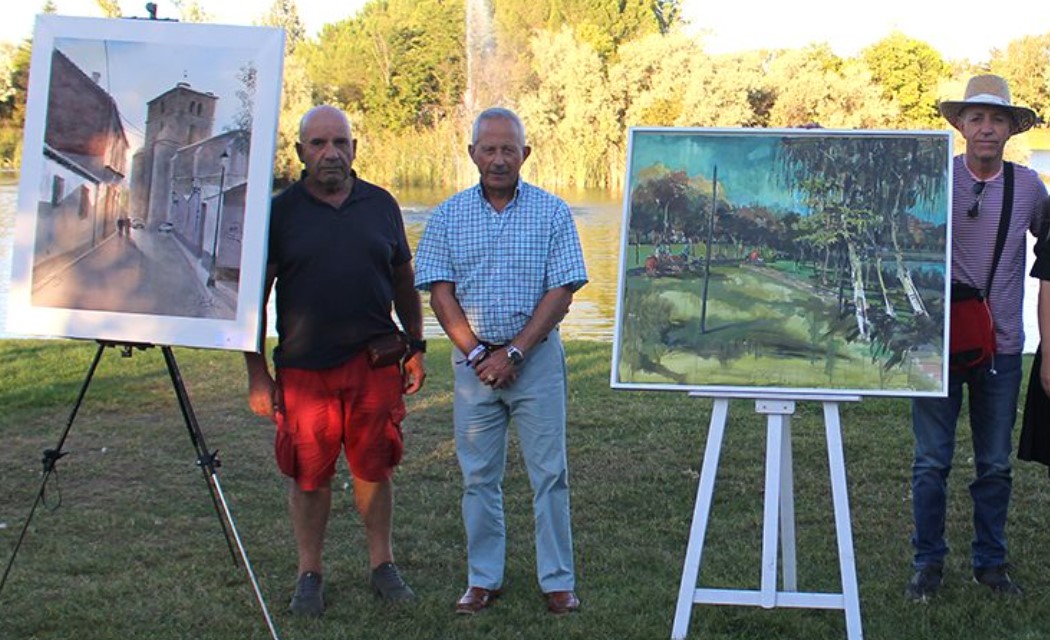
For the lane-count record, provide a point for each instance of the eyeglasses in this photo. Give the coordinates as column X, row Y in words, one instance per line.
column 975, row 208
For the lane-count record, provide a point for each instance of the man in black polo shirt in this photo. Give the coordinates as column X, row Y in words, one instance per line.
column 339, row 260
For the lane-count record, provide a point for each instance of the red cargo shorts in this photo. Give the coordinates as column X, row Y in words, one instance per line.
column 351, row 406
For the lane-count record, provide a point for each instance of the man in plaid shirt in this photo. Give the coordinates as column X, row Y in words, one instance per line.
column 501, row 261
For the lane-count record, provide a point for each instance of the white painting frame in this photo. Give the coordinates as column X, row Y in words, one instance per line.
column 144, row 193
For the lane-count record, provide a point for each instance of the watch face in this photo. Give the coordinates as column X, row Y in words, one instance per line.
column 515, row 356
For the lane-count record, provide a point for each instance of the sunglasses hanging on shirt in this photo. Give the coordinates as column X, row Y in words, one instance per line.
column 975, row 208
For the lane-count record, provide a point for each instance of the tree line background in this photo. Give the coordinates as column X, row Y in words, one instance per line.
column 412, row 74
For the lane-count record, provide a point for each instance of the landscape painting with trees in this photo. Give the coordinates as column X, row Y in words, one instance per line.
column 796, row 261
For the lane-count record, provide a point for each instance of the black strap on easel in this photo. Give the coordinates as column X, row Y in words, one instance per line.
column 51, row 456
column 205, row 459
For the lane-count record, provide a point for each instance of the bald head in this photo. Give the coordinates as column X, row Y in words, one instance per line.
column 326, row 112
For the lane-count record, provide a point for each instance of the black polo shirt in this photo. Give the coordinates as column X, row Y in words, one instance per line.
column 335, row 285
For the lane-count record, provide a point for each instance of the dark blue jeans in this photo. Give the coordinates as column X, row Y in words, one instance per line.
column 993, row 408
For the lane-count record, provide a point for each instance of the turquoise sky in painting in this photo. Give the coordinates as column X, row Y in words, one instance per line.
column 745, row 165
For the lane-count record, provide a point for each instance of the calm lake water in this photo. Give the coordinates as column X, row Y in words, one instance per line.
column 598, row 218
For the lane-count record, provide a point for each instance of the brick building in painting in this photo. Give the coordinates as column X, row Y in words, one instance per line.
column 85, row 158
column 188, row 180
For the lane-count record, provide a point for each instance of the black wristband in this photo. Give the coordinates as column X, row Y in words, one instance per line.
column 416, row 345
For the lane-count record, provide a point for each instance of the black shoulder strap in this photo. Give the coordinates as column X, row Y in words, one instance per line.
column 1004, row 221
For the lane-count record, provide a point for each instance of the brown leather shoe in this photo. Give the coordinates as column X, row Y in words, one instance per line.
column 560, row 602
column 475, row 599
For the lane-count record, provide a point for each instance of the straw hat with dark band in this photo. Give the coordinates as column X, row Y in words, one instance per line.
column 989, row 90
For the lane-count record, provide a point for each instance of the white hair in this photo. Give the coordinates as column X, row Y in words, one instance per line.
column 494, row 113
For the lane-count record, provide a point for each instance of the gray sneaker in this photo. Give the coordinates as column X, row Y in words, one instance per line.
column 388, row 584
column 998, row 580
column 308, row 599
column 924, row 583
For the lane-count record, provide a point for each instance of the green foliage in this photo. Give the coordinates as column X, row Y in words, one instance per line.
column 398, row 63
column 14, row 82
column 191, row 11
column 908, row 70
column 813, row 85
column 1026, row 66
column 725, row 91
column 285, row 14
column 296, row 100
column 647, row 84
column 10, row 146
column 602, row 24
column 580, row 73
column 567, row 120
column 109, row 8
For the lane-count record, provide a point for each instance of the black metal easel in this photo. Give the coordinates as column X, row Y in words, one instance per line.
column 206, row 460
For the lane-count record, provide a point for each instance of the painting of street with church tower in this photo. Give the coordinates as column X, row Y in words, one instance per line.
column 784, row 262
column 144, row 194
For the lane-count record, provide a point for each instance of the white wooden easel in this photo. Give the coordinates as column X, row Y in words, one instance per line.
column 779, row 510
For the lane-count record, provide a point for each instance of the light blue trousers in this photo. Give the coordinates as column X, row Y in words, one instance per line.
column 536, row 403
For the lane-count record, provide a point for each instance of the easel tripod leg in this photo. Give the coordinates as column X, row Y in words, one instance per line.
column 843, row 528
column 205, row 459
column 771, row 510
column 208, row 464
column 788, row 562
column 701, row 512
column 244, row 557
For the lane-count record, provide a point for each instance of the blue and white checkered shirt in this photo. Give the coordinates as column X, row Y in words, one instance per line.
column 502, row 263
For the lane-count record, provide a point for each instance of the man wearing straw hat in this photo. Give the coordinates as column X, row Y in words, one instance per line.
column 986, row 119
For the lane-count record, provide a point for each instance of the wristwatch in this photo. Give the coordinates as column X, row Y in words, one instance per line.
column 417, row 346
column 515, row 355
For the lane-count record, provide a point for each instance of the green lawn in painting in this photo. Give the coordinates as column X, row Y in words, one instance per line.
column 764, row 326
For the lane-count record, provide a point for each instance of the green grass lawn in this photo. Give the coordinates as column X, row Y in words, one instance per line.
column 129, row 546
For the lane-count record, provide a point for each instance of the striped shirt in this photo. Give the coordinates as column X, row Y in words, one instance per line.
column 973, row 244
column 502, row 263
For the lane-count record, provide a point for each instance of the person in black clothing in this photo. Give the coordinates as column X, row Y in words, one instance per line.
column 338, row 261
